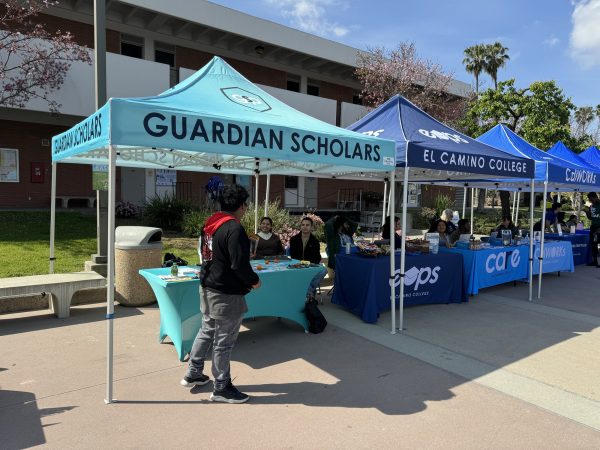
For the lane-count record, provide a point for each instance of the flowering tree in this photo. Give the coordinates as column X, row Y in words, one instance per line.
column 33, row 61
column 384, row 73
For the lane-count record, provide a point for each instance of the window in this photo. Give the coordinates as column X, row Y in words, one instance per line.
column 293, row 83
column 312, row 88
column 9, row 165
column 356, row 98
column 291, row 182
column 132, row 46
column 164, row 53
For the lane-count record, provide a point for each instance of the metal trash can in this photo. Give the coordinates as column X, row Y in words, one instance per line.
column 136, row 248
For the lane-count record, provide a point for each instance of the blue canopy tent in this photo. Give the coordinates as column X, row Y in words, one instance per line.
column 214, row 121
column 560, row 174
column 560, row 150
column 591, row 155
column 426, row 151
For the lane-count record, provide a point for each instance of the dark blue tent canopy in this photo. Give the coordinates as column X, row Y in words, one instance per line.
column 560, row 150
column 559, row 173
column 591, row 155
column 425, row 143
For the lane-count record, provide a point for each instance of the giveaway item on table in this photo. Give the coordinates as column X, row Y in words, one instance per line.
column 417, row 246
column 434, row 242
column 506, row 237
column 368, row 249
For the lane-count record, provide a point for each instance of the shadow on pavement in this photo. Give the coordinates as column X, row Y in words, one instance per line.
column 41, row 320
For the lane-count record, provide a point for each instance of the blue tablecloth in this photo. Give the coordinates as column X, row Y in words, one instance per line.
column 282, row 294
column 362, row 284
column 580, row 242
column 492, row 266
column 558, row 257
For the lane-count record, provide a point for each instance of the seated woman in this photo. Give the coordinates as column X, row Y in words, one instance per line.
column 572, row 222
column 464, row 227
column 306, row 247
column 386, row 231
column 269, row 243
column 507, row 224
column 439, row 226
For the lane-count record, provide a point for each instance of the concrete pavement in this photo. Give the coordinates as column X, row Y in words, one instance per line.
column 497, row 372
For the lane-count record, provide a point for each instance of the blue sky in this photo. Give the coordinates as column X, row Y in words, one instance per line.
column 547, row 39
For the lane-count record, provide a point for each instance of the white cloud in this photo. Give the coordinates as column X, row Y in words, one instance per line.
column 312, row 15
column 551, row 41
column 585, row 35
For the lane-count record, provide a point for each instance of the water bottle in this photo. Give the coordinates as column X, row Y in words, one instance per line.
column 347, row 248
column 174, row 270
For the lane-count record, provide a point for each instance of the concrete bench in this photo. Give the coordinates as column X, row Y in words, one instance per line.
column 61, row 288
column 64, row 200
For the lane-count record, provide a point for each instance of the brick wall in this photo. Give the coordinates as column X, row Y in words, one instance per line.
column 72, row 179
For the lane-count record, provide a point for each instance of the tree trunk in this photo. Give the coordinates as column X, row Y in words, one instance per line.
column 505, row 202
column 481, row 200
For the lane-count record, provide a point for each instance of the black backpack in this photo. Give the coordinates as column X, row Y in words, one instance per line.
column 316, row 319
column 170, row 258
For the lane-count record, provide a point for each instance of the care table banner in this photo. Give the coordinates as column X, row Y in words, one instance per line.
column 492, row 266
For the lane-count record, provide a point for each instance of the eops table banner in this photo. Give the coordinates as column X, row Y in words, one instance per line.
column 362, row 284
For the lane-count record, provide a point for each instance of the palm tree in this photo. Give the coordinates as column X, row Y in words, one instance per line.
column 495, row 58
column 475, row 62
column 584, row 116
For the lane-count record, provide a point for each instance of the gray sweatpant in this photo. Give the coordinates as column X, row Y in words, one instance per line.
column 221, row 321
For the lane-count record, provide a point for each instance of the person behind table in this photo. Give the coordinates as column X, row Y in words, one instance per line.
column 439, row 226
column 507, row 224
column 306, row 247
column 338, row 232
column 464, row 227
column 572, row 222
column 226, row 277
column 447, row 216
column 550, row 218
column 386, row 231
column 269, row 243
column 593, row 213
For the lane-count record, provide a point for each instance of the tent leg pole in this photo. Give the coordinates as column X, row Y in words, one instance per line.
column 110, row 276
column 391, row 205
column 392, row 188
column 464, row 205
column 403, row 247
column 52, row 216
column 531, row 208
column 579, row 204
column 267, row 195
column 542, row 242
column 385, row 193
column 472, row 202
column 516, row 220
column 256, row 177
column 514, row 205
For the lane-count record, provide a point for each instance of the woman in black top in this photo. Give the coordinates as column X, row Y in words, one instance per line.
column 507, row 224
column 269, row 243
column 386, row 231
column 306, row 247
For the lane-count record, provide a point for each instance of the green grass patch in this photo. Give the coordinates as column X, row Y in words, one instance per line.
column 25, row 242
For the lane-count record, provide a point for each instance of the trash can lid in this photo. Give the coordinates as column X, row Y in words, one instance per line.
column 137, row 237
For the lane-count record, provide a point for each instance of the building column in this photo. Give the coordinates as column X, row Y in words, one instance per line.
column 303, row 84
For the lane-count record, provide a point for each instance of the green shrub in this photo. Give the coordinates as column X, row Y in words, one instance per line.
column 193, row 221
column 442, row 202
column 166, row 212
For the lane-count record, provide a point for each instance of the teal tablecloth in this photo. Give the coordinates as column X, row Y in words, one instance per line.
column 282, row 294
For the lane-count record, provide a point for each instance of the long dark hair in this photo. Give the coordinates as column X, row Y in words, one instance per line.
column 386, row 230
column 434, row 225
